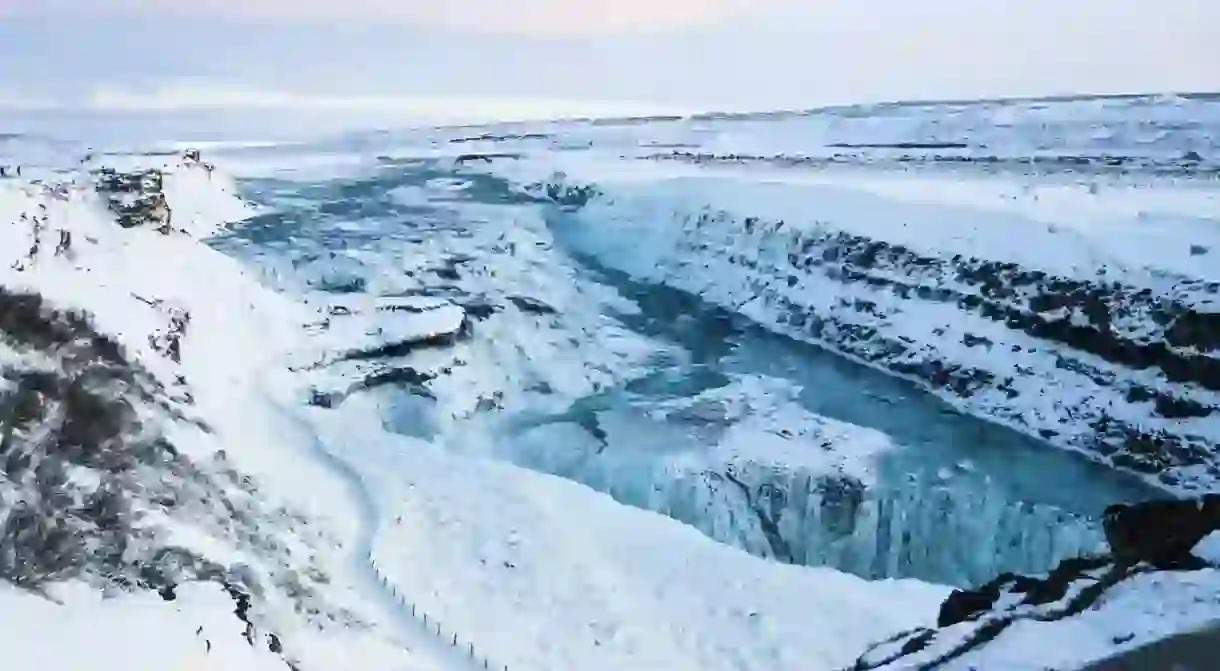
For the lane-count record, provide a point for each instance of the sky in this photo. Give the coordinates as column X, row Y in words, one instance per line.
column 530, row 57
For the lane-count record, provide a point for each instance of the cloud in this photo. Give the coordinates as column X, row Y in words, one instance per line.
column 13, row 100
column 523, row 17
column 730, row 54
column 202, row 95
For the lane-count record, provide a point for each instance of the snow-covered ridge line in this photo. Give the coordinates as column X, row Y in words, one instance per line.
column 989, row 310
column 1190, row 164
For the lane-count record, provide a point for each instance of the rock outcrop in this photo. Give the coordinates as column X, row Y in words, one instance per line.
column 136, row 198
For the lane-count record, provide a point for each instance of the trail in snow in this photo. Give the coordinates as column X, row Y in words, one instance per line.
column 414, row 634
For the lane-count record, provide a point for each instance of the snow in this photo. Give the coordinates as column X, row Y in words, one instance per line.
column 1208, row 549
column 1136, row 233
column 132, row 632
column 1138, row 611
column 768, row 428
column 517, row 569
column 231, row 358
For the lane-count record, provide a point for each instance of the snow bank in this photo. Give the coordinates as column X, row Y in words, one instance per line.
column 129, row 632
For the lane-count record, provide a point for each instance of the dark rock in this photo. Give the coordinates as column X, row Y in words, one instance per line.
column 448, row 273
column 1180, row 408
column 1145, row 537
column 532, row 305
column 321, row 399
column 1161, row 533
column 401, row 348
column 480, row 309
column 962, row 605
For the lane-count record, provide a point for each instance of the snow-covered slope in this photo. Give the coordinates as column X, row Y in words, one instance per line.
column 1158, row 585
column 142, row 451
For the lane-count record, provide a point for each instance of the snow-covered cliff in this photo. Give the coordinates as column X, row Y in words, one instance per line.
column 153, row 513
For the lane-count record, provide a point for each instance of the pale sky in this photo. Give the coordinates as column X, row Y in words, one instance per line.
column 664, row 54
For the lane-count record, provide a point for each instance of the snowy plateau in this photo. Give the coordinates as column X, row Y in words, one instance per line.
column 910, row 386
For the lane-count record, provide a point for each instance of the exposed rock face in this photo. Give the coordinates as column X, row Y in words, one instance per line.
column 1147, row 538
column 136, row 198
column 168, row 341
column 76, row 415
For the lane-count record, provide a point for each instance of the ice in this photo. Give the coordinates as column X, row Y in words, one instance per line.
column 943, row 533
column 751, row 468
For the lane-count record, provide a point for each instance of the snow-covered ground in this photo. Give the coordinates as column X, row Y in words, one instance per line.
column 315, row 597
column 414, row 416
